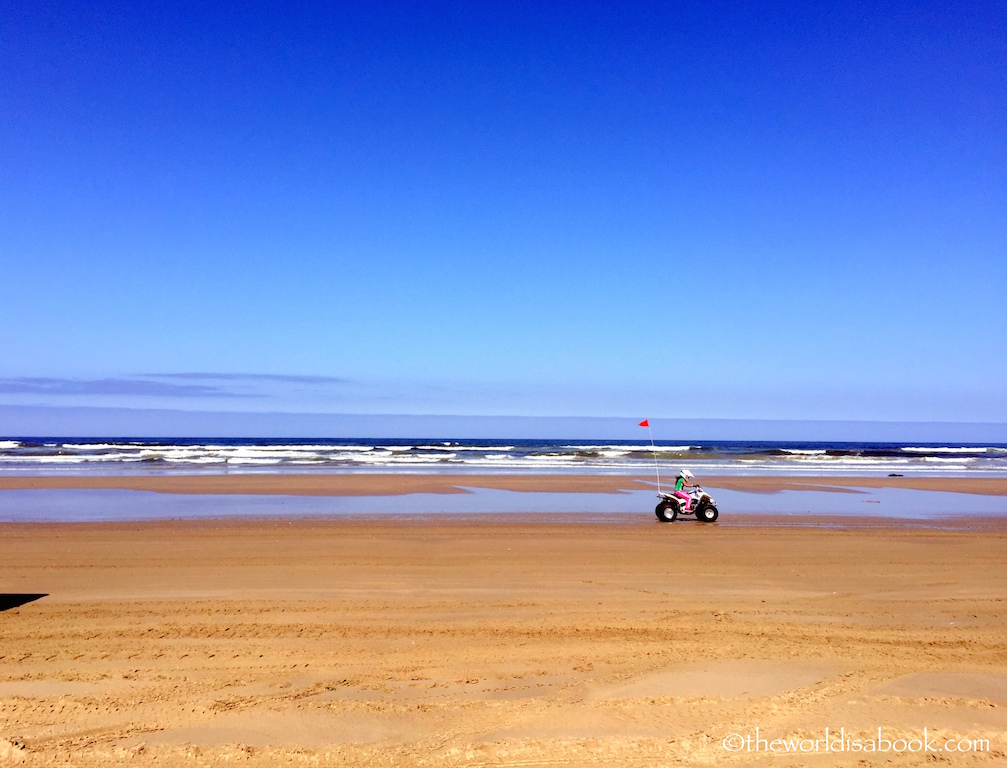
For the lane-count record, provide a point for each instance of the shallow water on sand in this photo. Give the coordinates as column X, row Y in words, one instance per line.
column 101, row 505
column 862, row 502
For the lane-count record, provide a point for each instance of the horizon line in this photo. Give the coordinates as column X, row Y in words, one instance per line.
column 411, row 415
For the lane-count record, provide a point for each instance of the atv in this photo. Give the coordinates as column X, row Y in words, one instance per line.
column 703, row 506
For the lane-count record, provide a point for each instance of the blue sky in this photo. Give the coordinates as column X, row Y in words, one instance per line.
column 772, row 211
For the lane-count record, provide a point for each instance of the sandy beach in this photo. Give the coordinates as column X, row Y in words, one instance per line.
column 455, row 642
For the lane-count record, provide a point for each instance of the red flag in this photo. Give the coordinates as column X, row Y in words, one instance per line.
column 645, row 423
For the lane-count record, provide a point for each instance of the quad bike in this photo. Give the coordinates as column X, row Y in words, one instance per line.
column 703, row 506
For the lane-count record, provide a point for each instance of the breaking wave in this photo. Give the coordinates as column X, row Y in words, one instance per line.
column 48, row 455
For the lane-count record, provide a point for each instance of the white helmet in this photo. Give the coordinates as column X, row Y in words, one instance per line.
column 686, row 474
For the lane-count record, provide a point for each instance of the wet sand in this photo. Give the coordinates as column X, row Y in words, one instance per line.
column 397, row 484
column 478, row 642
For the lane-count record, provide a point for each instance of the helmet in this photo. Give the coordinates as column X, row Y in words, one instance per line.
column 686, row 474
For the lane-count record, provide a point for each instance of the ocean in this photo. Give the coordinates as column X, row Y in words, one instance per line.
column 50, row 455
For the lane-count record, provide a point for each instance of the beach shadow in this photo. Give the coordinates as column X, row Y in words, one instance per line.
column 10, row 600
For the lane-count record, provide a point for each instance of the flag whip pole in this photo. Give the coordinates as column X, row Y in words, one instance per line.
column 653, row 449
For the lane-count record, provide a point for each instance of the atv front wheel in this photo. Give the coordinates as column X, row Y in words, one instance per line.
column 666, row 511
column 707, row 514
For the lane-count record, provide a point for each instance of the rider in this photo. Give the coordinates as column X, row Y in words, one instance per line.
column 683, row 481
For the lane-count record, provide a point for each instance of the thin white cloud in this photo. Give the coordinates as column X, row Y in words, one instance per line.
column 248, row 377
column 114, row 387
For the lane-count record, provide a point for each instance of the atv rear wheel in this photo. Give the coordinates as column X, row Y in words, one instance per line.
column 707, row 514
column 666, row 511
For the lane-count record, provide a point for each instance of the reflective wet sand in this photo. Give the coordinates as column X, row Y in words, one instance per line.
column 350, row 484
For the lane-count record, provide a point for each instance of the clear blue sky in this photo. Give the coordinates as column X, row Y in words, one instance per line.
column 772, row 211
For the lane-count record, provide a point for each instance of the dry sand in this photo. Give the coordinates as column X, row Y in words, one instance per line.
column 475, row 643
column 320, row 484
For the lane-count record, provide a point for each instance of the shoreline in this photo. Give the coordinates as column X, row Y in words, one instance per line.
column 397, row 484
